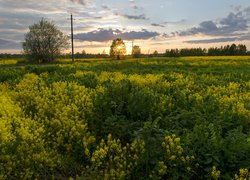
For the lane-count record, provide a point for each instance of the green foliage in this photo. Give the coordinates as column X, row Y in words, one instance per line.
column 50, row 129
column 229, row 50
column 44, row 42
column 114, row 160
column 117, row 49
column 56, row 120
column 174, row 164
column 136, row 51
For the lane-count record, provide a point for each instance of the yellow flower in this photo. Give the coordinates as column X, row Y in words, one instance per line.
column 177, row 140
column 215, row 173
column 173, row 157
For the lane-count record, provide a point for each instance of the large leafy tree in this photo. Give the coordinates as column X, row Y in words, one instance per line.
column 117, row 49
column 44, row 41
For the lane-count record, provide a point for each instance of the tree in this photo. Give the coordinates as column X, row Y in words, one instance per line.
column 242, row 49
column 84, row 52
column 104, row 52
column 155, row 53
column 44, row 42
column 117, row 49
column 136, row 51
column 233, row 49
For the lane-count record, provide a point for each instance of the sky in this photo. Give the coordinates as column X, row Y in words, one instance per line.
column 151, row 24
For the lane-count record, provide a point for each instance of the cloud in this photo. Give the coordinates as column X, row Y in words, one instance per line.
column 244, row 37
column 206, row 27
column 102, row 35
column 216, row 40
column 7, row 44
column 234, row 22
column 135, row 7
column 236, row 8
column 81, row 2
column 144, row 34
column 219, row 40
column 32, row 6
column 247, row 12
column 133, row 17
column 106, row 7
column 234, row 27
column 247, row 9
column 102, row 45
column 175, row 22
column 228, row 26
column 157, row 25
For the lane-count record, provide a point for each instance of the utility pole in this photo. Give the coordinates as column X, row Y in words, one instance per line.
column 72, row 37
column 132, row 48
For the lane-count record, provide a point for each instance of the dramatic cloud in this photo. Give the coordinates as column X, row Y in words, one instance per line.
column 144, row 34
column 231, row 25
column 102, row 35
column 98, row 21
column 206, row 27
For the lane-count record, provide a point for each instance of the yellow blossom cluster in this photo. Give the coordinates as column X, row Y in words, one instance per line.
column 22, row 148
column 231, row 97
column 51, row 124
column 215, row 173
column 114, row 160
column 62, row 108
column 46, row 129
column 244, row 174
column 174, row 159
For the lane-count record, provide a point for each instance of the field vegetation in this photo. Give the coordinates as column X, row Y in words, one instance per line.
column 146, row 118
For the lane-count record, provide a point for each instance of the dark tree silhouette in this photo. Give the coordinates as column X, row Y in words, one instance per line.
column 228, row 50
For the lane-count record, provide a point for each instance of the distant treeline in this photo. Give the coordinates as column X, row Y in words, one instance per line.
column 6, row 55
column 229, row 50
column 86, row 55
column 77, row 55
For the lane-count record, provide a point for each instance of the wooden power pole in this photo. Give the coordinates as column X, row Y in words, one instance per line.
column 72, row 37
column 132, row 48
